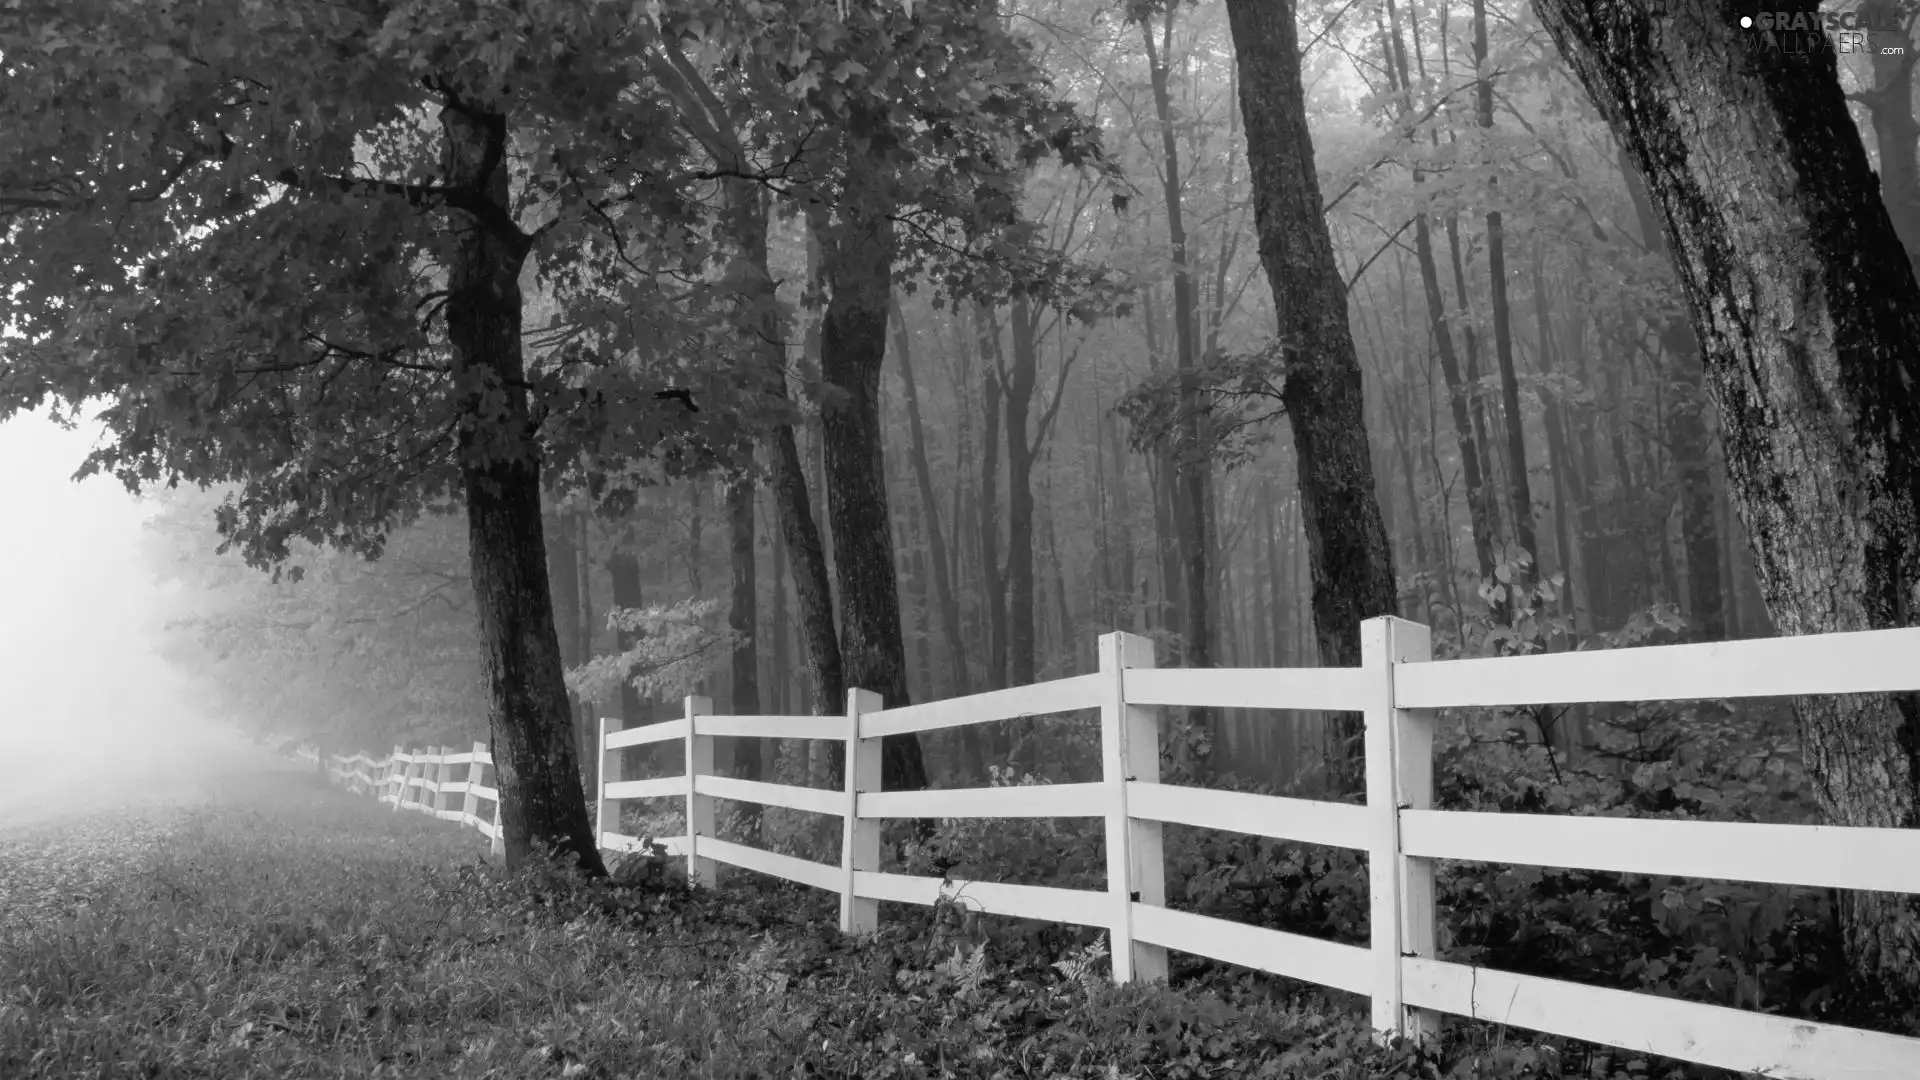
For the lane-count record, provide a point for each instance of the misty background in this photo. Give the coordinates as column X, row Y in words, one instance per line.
column 89, row 713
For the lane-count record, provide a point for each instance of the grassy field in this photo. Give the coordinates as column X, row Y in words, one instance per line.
column 287, row 930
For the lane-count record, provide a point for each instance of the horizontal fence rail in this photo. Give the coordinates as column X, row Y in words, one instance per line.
column 1396, row 687
column 423, row 781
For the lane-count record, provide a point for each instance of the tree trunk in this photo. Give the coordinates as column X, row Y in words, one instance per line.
column 1123, row 518
column 1020, row 576
column 1476, row 401
column 988, row 337
column 930, row 516
column 527, row 710
column 1520, row 493
column 588, row 730
column 782, row 680
column 1806, row 309
column 799, row 530
column 1277, row 594
column 1468, row 437
column 1069, row 644
column 1162, row 476
column 743, row 618
column 1596, row 578
column 857, row 252
column 1192, row 511
column 1559, row 462
column 563, row 578
column 1348, row 557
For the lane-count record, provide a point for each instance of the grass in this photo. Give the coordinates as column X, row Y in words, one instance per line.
column 294, row 931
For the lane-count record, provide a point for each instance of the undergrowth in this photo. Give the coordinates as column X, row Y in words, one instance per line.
column 302, row 932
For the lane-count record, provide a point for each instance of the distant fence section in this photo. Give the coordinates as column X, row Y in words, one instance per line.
column 1396, row 687
column 423, row 781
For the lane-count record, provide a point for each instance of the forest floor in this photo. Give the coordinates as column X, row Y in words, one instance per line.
column 273, row 927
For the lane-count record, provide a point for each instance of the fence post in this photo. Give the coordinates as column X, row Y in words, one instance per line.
column 607, row 820
column 441, row 772
column 470, row 806
column 859, row 840
column 1399, row 747
column 421, row 763
column 699, row 807
column 403, row 765
column 1130, row 751
column 392, row 776
column 416, row 781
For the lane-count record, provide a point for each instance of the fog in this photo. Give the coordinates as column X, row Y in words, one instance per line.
column 90, row 716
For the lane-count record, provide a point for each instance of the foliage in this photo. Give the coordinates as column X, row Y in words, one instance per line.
column 293, row 930
column 233, row 220
column 676, row 649
column 1240, row 393
column 359, row 653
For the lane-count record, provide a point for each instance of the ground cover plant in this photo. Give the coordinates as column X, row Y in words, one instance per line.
column 294, row 930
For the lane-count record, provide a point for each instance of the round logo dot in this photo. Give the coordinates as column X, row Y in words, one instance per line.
column 1746, row 22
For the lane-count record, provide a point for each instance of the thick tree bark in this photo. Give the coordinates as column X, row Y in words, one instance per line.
column 528, row 713
column 930, row 511
column 857, row 253
column 1806, row 308
column 1347, row 552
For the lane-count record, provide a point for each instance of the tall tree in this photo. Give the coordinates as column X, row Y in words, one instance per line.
column 705, row 116
column 1807, row 311
column 329, row 244
column 944, row 595
column 1520, row 492
column 1347, row 552
column 1468, row 436
column 857, row 245
column 1193, row 463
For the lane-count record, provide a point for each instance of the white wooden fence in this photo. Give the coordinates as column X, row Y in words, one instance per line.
column 422, row 780
column 1397, row 686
